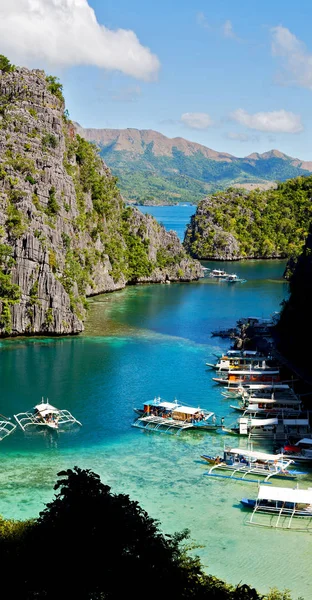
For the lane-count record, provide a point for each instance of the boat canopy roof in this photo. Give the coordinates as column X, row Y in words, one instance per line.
column 162, row 404
column 262, row 422
column 45, row 408
column 253, row 371
column 304, row 441
column 268, row 386
column 285, row 494
column 255, row 454
column 189, row 410
column 258, row 400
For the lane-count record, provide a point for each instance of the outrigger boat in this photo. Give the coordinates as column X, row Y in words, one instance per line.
column 45, row 415
column 276, row 428
column 219, row 273
column 246, row 376
column 282, row 504
column 172, row 417
column 244, row 359
column 257, row 406
column 256, row 389
column 6, row 427
column 250, row 462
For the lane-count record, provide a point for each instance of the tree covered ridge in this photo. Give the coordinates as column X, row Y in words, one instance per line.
column 260, row 224
column 149, row 178
column 89, row 543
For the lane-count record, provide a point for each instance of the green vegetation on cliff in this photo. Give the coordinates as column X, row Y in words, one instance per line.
column 112, row 544
column 259, row 224
column 64, row 225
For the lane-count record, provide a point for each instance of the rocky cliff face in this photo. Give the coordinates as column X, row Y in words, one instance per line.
column 65, row 232
column 294, row 329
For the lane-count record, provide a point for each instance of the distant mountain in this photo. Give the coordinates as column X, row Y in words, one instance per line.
column 154, row 169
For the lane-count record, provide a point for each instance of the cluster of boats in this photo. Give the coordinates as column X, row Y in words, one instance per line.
column 42, row 416
column 269, row 409
column 224, row 276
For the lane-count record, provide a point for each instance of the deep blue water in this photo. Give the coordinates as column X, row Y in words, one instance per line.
column 142, row 342
column 171, row 217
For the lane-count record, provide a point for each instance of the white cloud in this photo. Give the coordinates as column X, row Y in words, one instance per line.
column 64, row 33
column 202, row 21
column 228, row 31
column 196, row 120
column 296, row 60
column 278, row 121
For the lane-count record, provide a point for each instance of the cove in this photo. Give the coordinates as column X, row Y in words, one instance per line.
column 141, row 342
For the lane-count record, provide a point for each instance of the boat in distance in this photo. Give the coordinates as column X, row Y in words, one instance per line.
column 283, row 505
column 44, row 415
column 174, row 417
column 241, row 377
column 250, row 462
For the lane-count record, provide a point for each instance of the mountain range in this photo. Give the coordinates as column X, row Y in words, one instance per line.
column 154, row 169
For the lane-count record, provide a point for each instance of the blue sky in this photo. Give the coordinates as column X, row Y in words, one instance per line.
column 234, row 76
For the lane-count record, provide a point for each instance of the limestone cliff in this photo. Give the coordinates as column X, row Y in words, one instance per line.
column 294, row 329
column 65, row 232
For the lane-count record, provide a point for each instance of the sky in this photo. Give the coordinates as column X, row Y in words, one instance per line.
column 233, row 76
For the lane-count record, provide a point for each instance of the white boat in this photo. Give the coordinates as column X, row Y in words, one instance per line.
column 218, row 273
column 174, row 417
column 300, row 452
column 6, row 427
column 283, row 505
column 233, row 278
column 276, row 428
column 283, row 405
column 242, row 377
column 44, row 415
column 244, row 463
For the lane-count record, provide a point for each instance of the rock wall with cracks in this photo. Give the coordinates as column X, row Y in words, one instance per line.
column 65, row 232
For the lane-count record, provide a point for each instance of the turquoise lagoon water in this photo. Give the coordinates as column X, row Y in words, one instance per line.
column 140, row 343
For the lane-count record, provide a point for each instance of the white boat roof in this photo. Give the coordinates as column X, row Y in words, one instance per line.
column 258, row 400
column 164, row 404
column 255, row 454
column 189, row 410
column 45, row 408
column 262, row 422
column 253, row 371
column 304, row 441
column 268, row 386
column 285, row 494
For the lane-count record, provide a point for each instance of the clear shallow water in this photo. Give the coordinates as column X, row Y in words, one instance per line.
column 139, row 343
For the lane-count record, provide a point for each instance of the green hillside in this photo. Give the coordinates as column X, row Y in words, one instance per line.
column 149, row 178
column 235, row 224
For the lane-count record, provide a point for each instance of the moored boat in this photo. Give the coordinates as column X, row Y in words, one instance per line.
column 283, row 505
column 44, row 415
column 249, row 462
column 174, row 417
column 242, row 377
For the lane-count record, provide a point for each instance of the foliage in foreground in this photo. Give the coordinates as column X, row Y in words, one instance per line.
column 90, row 543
